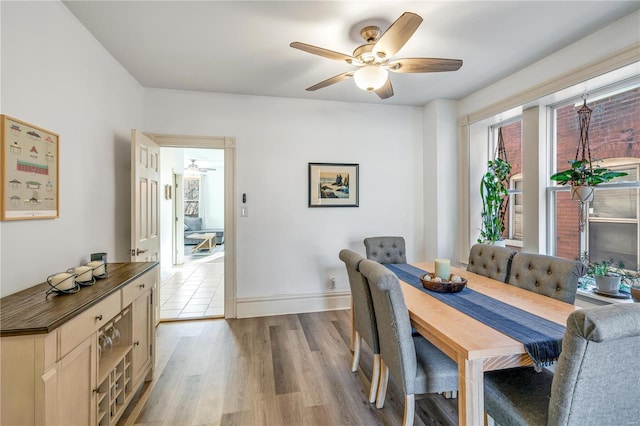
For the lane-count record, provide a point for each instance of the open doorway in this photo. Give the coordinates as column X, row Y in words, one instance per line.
column 193, row 285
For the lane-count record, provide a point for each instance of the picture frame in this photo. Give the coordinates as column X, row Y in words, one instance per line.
column 29, row 171
column 334, row 185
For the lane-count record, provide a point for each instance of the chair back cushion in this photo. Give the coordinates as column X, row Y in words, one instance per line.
column 386, row 249
column 548, row 275
column 491, row 261
column 364, row 318
column 394, row 327
column 597, row 378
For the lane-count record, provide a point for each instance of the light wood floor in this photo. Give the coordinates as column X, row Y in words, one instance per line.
column 280, row 370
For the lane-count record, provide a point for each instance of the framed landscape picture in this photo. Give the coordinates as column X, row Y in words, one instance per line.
column 333, row 185
column 29, row 171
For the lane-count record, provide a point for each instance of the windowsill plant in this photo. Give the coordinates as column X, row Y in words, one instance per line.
column 611, row 276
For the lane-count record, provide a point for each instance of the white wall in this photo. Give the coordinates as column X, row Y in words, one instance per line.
column 441, row 186
column 57, row 76
column 212, row 204
column 284, row 247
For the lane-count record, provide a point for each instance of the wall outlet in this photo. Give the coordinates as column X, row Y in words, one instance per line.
column 332, row 283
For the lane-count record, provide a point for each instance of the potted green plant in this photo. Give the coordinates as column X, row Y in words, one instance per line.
column 583, row 177
column 610, row 276
column 494, row 193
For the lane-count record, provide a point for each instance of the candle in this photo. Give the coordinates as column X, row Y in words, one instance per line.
column 84, row 273
column 62, row 281
column 443, row 268
column 98, row 267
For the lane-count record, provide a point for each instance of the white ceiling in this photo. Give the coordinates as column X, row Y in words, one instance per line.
column 242, row 47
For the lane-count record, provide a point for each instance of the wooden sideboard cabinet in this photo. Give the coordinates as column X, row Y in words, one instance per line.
column 53, row 368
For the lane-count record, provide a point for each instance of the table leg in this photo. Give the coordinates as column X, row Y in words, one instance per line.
column 470, row 392
column 199, row 246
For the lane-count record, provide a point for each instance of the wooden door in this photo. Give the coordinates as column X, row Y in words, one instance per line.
column 145, row 203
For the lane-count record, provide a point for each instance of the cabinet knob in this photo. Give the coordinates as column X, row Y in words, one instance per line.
column 141, row 285
column 99, row 317
column 137, row 343
column 96, row 390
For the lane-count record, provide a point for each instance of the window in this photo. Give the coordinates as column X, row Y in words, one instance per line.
column 191, row 185
column 515, row 230
column 612, row 229
column 613, row 219
column 512, row 138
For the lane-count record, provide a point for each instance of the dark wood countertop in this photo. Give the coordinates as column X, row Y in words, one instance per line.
column 30, row 311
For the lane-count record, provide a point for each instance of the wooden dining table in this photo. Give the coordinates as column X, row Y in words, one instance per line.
column 475, row 346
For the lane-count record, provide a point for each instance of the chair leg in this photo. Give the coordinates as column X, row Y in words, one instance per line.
column 382, row 386
column 409, row 410
column 375, row 378
column 353, row 327
column 356, row 352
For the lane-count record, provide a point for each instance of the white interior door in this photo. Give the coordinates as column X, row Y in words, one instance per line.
column 145, row 204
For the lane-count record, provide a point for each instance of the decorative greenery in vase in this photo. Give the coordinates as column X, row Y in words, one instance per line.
column 494, row 193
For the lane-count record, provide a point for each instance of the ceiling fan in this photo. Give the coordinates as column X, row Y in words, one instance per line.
column 194, row 168
column 375, row 57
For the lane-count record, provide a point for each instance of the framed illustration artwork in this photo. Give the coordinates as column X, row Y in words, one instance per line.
column 29, row 171
column 333, row 185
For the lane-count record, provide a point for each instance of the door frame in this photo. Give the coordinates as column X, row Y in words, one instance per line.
column 229, row 145
column 177, row 209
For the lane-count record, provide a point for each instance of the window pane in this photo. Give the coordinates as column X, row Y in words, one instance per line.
column 512, row 137
column 613, row 132
column 618, row 241
column 615, row 204
column 514, row 227
column 567, row 233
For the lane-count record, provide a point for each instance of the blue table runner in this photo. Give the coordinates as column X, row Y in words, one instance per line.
column 541, row 338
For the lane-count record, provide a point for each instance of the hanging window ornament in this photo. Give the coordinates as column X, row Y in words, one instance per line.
column 501, row 152
column 583, row 193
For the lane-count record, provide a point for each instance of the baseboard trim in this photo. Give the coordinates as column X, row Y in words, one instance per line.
column 249, row 307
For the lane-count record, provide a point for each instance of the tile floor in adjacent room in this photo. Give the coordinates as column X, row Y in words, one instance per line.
column 195, row 289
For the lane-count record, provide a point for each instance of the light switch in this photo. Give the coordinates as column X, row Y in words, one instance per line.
column 244, row 211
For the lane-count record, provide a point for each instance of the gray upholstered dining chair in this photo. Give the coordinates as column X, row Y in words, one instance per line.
column 548, row 275
column 596, row 374
column 363, row 317
column 491, row 261
column 417, row 366
column 386, row 249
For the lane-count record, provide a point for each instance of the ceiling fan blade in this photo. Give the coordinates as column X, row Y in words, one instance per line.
column 397, row 35
column 315, row 50
column 386, row 91
column 328, row 82
column 407, row 65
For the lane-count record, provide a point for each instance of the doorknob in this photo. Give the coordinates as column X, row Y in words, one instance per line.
column 137, row 251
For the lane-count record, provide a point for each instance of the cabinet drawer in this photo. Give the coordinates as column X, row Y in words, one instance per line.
column 76, row 330
column 136, row 288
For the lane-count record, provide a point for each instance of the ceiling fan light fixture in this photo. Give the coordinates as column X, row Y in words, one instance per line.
column 370, row 77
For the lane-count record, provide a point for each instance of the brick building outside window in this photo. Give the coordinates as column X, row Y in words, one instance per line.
column 613, row 216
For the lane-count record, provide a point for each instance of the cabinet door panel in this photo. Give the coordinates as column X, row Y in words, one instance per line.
column 76, row 381
column 141, row 335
